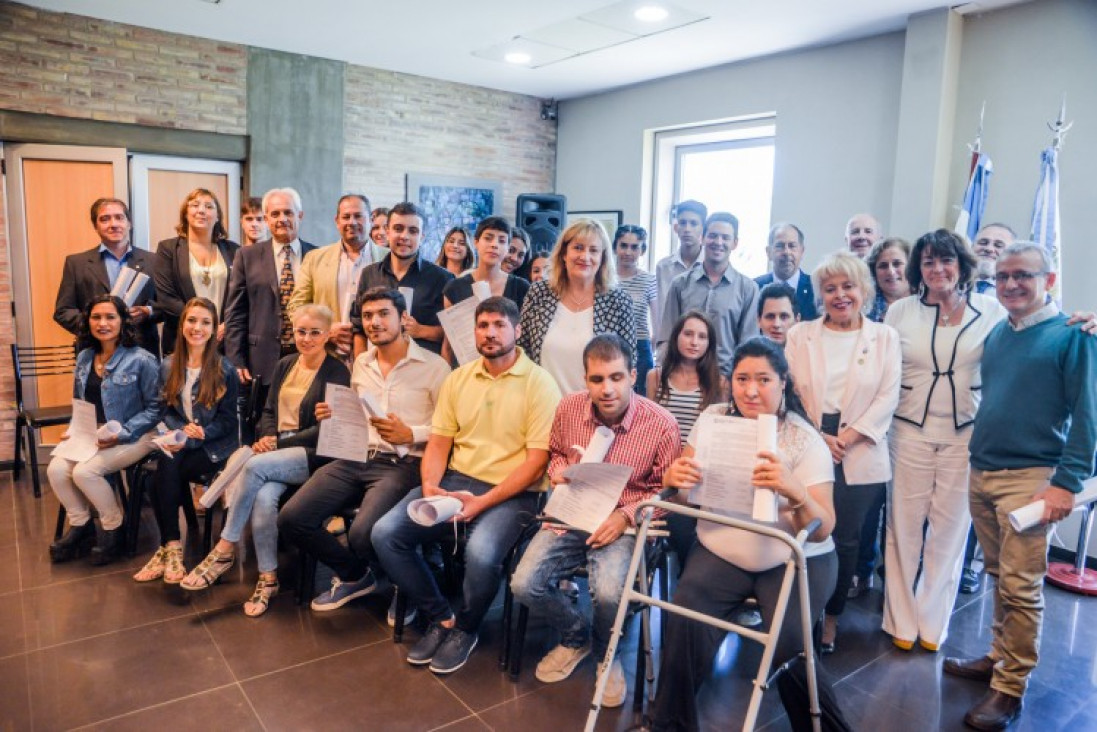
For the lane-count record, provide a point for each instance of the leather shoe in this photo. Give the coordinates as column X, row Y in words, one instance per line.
column 980, row 669
column 994, row 711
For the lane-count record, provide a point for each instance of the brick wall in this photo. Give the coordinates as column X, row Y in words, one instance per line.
column 7, row 337
column 74, row 66
column 399, row 123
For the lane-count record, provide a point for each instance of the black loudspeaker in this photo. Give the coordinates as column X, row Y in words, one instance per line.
column 543, row 216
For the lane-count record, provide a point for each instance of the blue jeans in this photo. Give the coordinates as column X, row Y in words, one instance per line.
column 550, row 558
column 266, row 477
column 645, row 362
column 489, row 537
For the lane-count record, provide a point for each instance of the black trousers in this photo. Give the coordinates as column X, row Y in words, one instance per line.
column 714, row 587
column 375, row 486
column 171, row 486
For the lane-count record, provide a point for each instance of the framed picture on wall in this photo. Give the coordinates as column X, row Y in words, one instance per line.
column 450, row 201
column 609, row 220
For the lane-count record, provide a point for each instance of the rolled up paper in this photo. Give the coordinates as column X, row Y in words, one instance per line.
column 122, row 282
column 408, row 294
column 134, row 290
column 170, row 439
column 1032, row 514
column 111, row 429
column 765, row 500
column 481, row 290
column 598, row 448
column 433, row 510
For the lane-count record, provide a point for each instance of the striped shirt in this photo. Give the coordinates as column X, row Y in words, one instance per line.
column 647, row 439
column 684, row 405
column 641, row 288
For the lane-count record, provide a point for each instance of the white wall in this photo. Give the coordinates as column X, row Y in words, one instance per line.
column 837, row 116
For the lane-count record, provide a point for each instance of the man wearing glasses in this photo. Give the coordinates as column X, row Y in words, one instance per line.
column 1045, row 457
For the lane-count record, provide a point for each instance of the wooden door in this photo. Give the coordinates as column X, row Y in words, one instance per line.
column 51, row 189
column 160, row 183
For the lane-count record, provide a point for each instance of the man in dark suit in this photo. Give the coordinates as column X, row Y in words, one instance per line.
column 785, row 249
column 257, row 331
column 92, row 273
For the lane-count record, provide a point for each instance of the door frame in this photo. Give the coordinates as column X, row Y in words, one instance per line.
column 139, row 168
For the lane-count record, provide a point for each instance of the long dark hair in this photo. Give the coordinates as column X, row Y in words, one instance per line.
column 128, row 335
column 469, row 259
column 708, row 368
column 759, row 347
column 218, row 232
column 211, row 381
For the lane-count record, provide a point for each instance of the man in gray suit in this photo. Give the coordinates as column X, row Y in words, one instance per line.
column 257, row 332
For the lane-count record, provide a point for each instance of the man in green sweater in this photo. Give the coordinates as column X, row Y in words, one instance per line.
column 1033, row 440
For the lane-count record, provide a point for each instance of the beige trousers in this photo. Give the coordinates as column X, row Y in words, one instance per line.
column 81, row 485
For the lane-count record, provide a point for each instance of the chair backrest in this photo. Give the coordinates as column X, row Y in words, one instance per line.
column 30, row 362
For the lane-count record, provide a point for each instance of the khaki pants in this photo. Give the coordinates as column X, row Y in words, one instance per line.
column 1019, row 561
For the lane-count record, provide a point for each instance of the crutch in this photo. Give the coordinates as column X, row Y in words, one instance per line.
column 795, row 565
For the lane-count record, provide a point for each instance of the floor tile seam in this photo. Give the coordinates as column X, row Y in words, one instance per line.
column 447, row 725
column 84, row 578
column 96, row 636
column 164, row 703
column 228, row 666
column 299, row 664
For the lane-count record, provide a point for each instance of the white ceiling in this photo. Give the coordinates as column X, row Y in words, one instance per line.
column 436, row 38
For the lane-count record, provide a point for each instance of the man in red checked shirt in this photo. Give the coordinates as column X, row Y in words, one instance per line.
column 645, row 436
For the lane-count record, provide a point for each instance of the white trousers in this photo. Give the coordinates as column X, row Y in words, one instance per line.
column 79, row 484
column 930, row 484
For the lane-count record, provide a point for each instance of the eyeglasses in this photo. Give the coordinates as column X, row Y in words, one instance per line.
column 1020, row 277
column 313, row 333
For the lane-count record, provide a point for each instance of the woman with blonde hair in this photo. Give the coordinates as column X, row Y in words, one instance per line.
column 579, row 300
column 196, row 262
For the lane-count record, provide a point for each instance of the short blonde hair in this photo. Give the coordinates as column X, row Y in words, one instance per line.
column 604, row 279
column 845, row 264
column 314, row 310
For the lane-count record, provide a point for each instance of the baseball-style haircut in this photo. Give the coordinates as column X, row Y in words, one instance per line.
column 606, row 347
column 100, row 202
column 376, row 294
column 498, row 305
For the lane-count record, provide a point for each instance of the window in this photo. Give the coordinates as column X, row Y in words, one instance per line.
column 728, row 166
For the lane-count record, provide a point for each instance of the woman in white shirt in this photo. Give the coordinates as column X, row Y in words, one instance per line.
column 941, row 329
column 578, row 301
column 846, row 370
column 729, row 565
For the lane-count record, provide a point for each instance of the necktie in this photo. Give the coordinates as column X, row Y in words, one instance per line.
column 285, row 289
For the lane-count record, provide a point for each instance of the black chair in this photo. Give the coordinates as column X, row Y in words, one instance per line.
column 31, row 362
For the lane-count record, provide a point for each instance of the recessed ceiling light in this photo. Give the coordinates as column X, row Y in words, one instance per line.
column 517, row 57
column 651, row 13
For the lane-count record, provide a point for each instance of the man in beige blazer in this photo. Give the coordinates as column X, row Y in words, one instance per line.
column 329, row 276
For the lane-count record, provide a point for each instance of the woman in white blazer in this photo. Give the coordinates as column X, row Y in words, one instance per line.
column 846, row 369
column 941, row 329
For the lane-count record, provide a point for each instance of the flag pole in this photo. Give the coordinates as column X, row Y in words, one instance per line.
column 1060, row 126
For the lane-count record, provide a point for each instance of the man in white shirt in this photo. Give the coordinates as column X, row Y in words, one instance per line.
column 404, row 380
column 862, row 231
column 329, row 276
column 689, row 226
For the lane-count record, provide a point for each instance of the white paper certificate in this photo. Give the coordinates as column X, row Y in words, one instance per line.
column 589, row 496
column 82, row 444
column 345, row 434
column 459, row 323
column 727, row 449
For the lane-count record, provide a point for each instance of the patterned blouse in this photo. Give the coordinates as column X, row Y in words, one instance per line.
column 612, row 314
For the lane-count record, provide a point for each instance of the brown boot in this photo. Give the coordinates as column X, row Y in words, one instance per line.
column 980, row 669
column 994, row 711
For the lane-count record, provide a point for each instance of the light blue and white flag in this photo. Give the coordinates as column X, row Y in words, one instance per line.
column 1045, row 216
column 975, row 196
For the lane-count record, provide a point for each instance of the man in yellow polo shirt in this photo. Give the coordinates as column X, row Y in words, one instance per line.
column 494, row 415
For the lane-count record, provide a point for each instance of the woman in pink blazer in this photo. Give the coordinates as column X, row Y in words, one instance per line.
column 847, row 370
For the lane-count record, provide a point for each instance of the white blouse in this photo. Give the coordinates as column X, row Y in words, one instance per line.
column 210, row 282
column 562, row 350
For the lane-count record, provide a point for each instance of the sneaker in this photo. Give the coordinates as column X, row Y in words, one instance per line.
column 970, row 582
column 454, row 652
column 343, row 592
column 616, row 689
column 424, row 649
column 409, row 614
column 558, row 664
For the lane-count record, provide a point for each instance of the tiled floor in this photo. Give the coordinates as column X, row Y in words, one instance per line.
column 82, row 647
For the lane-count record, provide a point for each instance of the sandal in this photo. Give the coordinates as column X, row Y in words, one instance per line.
column 260, row 599
column 208, row 572
column 174, row 571
column 154, row 568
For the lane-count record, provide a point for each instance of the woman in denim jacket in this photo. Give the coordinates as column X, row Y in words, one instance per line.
column 122, row 380
column 200, row 388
